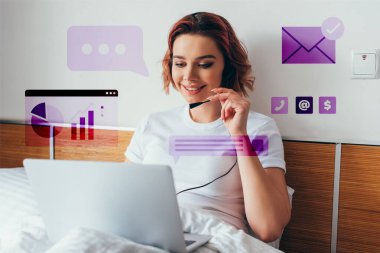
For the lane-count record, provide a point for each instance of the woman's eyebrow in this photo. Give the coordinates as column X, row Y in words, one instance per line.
column 198, row 58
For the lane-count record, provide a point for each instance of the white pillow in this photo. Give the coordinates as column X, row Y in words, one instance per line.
column 16, row 198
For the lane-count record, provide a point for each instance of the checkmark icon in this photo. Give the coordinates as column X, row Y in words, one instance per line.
column 332, row 28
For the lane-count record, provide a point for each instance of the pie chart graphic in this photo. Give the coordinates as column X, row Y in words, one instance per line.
column 44, row 116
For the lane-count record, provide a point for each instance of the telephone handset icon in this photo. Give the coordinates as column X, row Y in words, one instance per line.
column 280, row 106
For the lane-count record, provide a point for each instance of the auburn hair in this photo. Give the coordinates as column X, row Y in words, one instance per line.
column 237, row 72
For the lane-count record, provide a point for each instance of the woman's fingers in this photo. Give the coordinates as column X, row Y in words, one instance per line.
column 223, row 112
column 227, row 97
column 227, row 110
column 222, row 90
column 230, row 100
column 222, row 97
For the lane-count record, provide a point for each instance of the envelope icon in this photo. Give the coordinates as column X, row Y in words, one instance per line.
column 306, row 45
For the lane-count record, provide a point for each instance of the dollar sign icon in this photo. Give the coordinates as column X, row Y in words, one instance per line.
column 327, row 105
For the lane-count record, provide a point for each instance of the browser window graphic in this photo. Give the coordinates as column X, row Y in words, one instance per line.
column 71, row 116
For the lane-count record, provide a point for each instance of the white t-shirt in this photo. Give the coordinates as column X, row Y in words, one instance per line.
column 224, row 197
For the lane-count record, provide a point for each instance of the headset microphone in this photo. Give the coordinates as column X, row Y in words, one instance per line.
column 193, row 105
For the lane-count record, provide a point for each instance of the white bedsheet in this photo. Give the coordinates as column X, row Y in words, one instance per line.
column 22, row 229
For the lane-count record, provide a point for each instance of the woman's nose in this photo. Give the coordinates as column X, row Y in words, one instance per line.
column 190, row 74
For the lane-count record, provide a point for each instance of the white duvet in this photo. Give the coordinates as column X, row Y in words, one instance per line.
column 22, row 229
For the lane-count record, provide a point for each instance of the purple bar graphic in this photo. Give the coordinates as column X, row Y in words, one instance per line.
column 82, row 130
column 215, row 145
column 90, row 125
column 90, row 118
column 73, row 131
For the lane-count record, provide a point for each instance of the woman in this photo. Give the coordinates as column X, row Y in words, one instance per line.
column 206, row 61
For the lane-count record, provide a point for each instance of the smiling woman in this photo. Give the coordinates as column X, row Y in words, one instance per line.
column 205, row 61
column 216, row 33
column 195, row 73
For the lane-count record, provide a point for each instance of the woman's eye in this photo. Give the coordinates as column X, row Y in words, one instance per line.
column 202, row 65
column 206, row 65
column 179, row 65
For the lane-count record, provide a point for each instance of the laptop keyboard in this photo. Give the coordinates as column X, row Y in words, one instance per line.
column 189, row 242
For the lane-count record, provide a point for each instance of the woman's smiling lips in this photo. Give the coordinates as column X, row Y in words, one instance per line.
column 193, row 90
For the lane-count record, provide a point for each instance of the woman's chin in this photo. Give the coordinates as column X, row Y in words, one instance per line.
column 193, row 99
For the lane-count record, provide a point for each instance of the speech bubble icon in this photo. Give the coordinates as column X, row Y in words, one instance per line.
column 106, row 48
column 214, row 146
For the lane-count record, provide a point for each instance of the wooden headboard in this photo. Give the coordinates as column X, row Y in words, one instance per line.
column 13, row 149
column 110, row 145
column 310, row 171
column 336, row 204
column 105, row 147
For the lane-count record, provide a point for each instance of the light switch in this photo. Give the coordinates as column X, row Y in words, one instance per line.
column 365, row 64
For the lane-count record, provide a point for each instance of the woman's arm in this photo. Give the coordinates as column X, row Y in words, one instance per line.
column 266, row 200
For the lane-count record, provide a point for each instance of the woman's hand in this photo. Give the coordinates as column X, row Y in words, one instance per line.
column 234, row 111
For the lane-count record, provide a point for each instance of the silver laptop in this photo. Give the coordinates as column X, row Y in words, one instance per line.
column 134, row 201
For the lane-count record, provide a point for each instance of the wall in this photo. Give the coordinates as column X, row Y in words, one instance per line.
column 33, row 56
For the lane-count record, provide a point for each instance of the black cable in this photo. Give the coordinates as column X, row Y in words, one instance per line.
column 210, row 181
column 191, row 106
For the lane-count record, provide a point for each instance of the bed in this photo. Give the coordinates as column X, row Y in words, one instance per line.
column 22, row 228
column 336, row 206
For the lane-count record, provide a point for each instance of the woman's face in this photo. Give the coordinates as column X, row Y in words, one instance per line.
column 197, row 66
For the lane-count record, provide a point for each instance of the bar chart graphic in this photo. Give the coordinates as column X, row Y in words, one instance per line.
column 72, row 117
column 83, row 126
